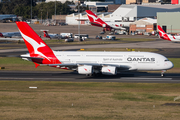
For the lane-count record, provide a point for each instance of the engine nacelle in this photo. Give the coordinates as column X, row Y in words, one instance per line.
column 103, row 25
column 85, row 69
column 109, row 70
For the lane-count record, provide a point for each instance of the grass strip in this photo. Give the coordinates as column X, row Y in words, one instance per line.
column 88, row 100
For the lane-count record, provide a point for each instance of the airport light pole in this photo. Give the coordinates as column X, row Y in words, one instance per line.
column 31, row 11
column 55, row 12
column 79, row 21
column 41, row 16
column 60, row 18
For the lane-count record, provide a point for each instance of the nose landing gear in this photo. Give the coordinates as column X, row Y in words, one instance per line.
column 162, row 73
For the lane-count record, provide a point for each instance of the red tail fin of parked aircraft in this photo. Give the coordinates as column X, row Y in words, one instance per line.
column 1, row 35
column 95, row 21
column 162, row 34
column 46, row 34
column 40, row 53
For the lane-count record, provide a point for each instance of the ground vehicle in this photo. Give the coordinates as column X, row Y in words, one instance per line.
column 66, row 35
column 82, row 36
column 110, row 37
column 98, row 37
column 69, row 40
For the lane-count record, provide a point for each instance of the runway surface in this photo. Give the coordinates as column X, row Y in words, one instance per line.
column 133, row 77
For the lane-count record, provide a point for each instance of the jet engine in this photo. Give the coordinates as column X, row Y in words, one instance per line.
column 85, row 69
column 109, row 70
column 103, row 25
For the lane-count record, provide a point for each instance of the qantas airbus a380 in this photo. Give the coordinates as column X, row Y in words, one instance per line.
column 89, row 63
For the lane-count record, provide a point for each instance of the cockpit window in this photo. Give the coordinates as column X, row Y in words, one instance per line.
column 166, row 60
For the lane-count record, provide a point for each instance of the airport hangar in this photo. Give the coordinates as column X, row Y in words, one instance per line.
column 169, row 21
column 125, row 14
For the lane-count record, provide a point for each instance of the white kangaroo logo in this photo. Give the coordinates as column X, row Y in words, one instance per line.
column 35, row 45
column 162, row 32
column 94, row 18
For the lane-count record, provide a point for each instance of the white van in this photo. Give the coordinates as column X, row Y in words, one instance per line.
column 84, row 36
column 66, row 35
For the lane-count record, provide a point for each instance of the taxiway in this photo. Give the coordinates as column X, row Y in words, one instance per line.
column 133, row 77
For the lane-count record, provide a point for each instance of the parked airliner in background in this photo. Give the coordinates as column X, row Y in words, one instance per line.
column 166, row 36
column 51, row 36
column 10, row 34
column 89, row 63
column 107, row 26
column 8, row 17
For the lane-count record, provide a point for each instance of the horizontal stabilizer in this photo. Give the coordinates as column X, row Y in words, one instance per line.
column 33, row 59
column 93, row 23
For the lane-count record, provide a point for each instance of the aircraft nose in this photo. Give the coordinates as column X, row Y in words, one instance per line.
column 170, row 65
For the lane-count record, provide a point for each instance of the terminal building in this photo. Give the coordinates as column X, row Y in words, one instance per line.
column 124, row 14
column 143, row 26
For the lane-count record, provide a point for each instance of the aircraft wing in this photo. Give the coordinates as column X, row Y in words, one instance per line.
column 74, row 65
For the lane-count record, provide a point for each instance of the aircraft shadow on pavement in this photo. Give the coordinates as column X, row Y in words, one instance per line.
column 120, row 75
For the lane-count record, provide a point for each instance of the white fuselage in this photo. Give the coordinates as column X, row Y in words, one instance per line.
column 132, row 60
column 116, row 26
column 174, row 38
column 55, row 36
column 11, row 34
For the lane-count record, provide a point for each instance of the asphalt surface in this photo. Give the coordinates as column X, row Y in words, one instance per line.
column 166, row 48
column 133, row 77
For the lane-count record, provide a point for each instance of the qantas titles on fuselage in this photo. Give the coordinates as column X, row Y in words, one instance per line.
column 141, row 59
column 108, row 63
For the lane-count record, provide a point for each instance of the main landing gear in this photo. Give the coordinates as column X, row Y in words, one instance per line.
column 94, row 74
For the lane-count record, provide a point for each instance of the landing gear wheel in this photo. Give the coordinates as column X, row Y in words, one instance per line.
column 162, row 73
column 89, row 75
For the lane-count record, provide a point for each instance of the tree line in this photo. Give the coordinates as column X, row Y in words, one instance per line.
column 23, row 8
